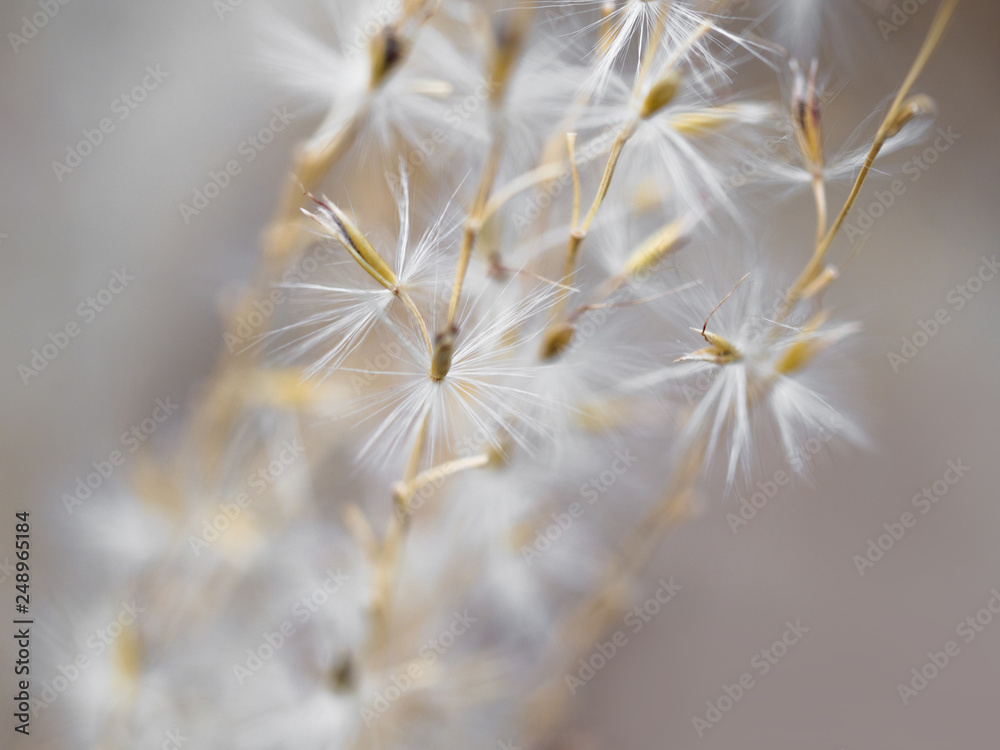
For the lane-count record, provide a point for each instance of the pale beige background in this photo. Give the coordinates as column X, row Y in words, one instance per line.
column 837, row 688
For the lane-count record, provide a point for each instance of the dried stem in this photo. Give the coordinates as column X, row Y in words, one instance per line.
column 819, row 195
column 405, row 491
column 885, row 130
column 474, row 221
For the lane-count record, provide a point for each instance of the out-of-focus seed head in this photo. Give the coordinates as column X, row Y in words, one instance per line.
column 556, row 340
column 807, row 115
column 387, row 49
column 655, row 248
column 661, row 94
column 719, row 352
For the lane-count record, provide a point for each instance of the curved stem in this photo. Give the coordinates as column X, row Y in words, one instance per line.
column 474, row 221
column 815, row 263
column 412, row 307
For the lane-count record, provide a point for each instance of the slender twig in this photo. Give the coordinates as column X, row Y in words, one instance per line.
column 885, row 130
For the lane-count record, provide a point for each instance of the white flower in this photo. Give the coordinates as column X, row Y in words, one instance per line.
column 684, row 132
column 386, row 73
column 516, row 398
column 356, row 306
column 487, row 390
column 801, row 152
column 625, row 30
column 751, row 376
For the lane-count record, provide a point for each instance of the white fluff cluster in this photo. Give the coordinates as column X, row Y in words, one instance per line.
column 528, row 288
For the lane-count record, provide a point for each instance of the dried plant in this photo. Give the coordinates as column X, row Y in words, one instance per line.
column 517, row 310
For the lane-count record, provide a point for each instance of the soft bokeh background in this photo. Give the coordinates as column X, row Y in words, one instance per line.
column 60, row 242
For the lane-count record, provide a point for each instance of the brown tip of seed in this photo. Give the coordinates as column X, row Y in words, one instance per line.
column 444, row 348
column 556, row 340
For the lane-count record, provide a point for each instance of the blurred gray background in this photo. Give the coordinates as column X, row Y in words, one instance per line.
column 60, row 242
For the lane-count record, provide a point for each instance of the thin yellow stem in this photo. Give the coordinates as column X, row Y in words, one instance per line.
column 609, row 172
column 474, row 220
column 579, row 231
column 650, row 54
column 418, row 317
column 571, row 150
column 931, row 42
column 386, row 569
column 406, row 490
column 819, row 194
column 519, row 184
column 413, row 464
column 559, row 334
column 505, row 57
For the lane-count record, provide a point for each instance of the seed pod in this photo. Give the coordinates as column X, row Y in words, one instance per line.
column 556, row 339
column 444, row 348
column 806, row 116
column 386, row 50
column 802, row 352
column 332, row 218
column 660, row 94
column 719, row 352
column 704, row 120
column 915, row 106
column 655, row 247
